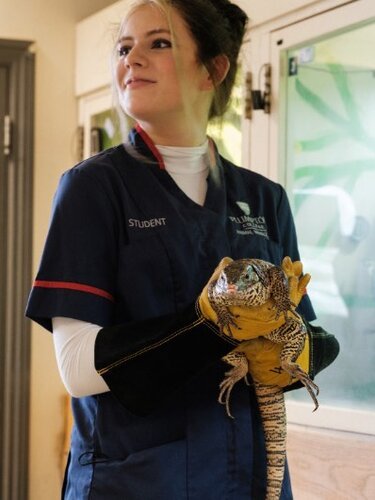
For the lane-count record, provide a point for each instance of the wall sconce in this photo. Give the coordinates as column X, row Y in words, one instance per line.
column 258, row 99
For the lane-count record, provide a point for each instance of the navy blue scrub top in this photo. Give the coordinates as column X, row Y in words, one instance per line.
column 124, row 244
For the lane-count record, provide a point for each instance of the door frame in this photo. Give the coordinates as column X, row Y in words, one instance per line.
column 19, row 60
column 262, row 149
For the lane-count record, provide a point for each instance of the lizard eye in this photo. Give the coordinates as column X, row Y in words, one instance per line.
column 251, row 275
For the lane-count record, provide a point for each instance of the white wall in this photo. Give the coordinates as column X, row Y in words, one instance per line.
column 260, row 11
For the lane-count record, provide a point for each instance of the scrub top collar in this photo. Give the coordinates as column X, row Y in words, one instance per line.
column 215, row 197
column 143, row 143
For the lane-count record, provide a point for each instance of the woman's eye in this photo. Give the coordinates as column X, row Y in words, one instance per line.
column 161, row 44
column 123, row 50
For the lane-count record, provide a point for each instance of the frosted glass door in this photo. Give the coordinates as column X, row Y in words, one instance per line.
column 330, row 164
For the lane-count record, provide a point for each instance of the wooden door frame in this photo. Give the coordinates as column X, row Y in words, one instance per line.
column 18, row 59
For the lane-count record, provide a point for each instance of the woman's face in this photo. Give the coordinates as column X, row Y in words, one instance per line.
column 158, row 83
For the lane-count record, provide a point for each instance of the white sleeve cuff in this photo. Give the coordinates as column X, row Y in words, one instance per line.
column 74, row 342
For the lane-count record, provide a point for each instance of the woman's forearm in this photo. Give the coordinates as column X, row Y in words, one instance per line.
column 74, row 343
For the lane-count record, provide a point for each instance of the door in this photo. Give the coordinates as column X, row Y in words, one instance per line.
column 323, row 148
column 16, row 154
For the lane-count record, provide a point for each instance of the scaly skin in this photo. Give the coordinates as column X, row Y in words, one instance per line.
column 250, row 283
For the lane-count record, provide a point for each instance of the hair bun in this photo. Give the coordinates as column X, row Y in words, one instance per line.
column 231, row 11
column 236, row 18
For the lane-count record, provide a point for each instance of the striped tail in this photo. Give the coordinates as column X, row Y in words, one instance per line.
column 272, row 409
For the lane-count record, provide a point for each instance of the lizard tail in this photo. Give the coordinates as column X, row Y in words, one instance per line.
column 272, row 409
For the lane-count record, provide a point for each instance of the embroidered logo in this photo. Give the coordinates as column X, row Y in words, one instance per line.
column 146, row 224
column 246, row 225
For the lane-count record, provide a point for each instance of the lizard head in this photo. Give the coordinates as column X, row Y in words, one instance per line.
column 238, row 277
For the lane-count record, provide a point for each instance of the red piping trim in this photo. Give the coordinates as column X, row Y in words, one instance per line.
column 68, row 285
column 212, row 155
column 149, row 142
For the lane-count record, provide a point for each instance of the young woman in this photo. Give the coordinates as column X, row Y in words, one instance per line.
column 136, row 232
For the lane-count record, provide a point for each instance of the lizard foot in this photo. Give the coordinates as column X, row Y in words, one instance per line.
column 240, row 369
column 297, row 373
column 225, row 320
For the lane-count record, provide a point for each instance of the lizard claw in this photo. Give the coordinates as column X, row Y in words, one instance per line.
column 228, row 332
column 226, row 325
column 226, row 387
column 297, row 372
column 239, row 371
column 226, row 319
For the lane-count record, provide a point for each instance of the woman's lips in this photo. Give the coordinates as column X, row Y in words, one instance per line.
column 135, row 83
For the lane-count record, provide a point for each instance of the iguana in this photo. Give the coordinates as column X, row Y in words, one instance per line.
column 250, row 283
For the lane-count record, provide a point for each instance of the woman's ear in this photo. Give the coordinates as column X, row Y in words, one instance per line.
column 221, row 64
column 219, row 69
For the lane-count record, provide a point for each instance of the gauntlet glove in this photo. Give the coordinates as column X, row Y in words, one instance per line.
column 255, row 322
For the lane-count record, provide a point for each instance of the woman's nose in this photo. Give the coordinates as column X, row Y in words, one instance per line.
column 135, row 57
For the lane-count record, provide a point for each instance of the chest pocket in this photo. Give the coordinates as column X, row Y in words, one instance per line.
column 160, row 269
column 145, row 287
